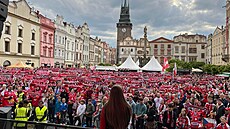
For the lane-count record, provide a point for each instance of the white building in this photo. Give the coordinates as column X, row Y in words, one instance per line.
column 59, row 43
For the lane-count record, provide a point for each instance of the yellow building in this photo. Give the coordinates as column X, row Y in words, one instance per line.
column 20, row 39
column 218, row 42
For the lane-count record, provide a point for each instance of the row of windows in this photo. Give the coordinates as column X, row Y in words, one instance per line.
column 45, row 38
column 20, row 32
column 45, row 52
column 7, row 48
column 59, row 53
column 162, row 46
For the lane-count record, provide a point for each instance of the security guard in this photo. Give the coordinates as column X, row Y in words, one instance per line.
column 41, row 114
column 21, row 114
column 20, row 94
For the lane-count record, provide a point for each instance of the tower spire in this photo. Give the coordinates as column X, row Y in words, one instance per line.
column 125, row 4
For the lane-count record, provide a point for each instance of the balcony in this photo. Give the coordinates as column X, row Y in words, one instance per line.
column 225, row 58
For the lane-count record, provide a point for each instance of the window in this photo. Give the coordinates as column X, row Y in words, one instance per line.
column 60, row 39
column 177, row 57
column 50, row 53
column 19, row 48
column 7, row 46
column 32, row 50
column 63, row 53
column 161, row 60
column 202, row 55
column 63, row 40
column 169, row 52
column 50, row 39
column 68, row 45
column 19, row 32
column 33, row 36
column 44, row 51
column 59, row 53
column 155, row 52
column 162, row 46
column 202, row 46
column 122, row 50
column 192, row 50
column 196, row 41
column 131, row 50
column 155, row 46
column 169, row 46
column 139, row 52
column 177, row 49
column 55, row 38
column 44, row 38
column 182, row 49
column 192, row 58
column 183, row 58
column 162, row 52
column 55, row 52
column 71, row 56
column 7, row 29
column 73, row 46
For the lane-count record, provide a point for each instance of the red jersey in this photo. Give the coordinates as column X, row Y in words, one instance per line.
column 35, row 99
column 183, row 123
column 9, row 102
column 222, row 126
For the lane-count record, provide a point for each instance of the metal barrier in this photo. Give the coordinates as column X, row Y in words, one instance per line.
column 12, row 124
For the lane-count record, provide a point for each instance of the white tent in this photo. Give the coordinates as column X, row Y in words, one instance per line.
column 152, row 65
column 129, row 64
column 138, row 62
column 106, row 68
column 196, row 70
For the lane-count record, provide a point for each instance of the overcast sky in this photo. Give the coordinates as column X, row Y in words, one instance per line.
column 165, row 18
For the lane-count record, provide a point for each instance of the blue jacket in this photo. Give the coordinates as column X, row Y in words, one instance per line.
column 63, row 107
column 57, row 107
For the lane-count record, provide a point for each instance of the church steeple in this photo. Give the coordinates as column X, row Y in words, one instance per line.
column 125, row 15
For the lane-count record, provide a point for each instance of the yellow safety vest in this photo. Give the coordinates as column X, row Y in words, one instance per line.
column 20, row 96
column 41, row 113
column 21, row 115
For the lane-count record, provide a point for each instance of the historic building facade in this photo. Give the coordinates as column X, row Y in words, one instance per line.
column 218, row 42
column 189, row 47
column 20, row 40
column 70, row 45
column 161, row 48
column 209, row 50
column 46, row 41
column 60, row 40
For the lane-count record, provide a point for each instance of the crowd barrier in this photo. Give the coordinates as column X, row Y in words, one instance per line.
column 10, row 124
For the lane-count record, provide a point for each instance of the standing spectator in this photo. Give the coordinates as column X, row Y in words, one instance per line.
column 139, row 114
column 220, row 110
column 40, row 114
column 116, row 113
column 64, row 94
column 183, row 121
column 151, row 116
column 133, row 106
column 63, row 110
column 90, row 109
column 158, row 100
column 70, row 111
column 79, row 113
column 223, row 124
column 169, row 118
column 51, row 107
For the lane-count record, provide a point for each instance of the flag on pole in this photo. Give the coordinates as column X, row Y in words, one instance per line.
column 175, row 70
column 165, row 65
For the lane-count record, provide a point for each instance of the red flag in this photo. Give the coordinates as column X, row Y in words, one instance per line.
column 175, row 70
column 165, row 65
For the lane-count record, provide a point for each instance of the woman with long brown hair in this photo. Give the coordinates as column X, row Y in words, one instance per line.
column 116, row 113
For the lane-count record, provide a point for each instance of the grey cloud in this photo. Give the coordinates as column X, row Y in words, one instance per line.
column 163, row 17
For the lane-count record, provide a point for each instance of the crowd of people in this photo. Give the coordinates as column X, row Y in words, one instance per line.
column 78, row 97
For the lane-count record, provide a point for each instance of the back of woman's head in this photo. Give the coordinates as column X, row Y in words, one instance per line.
column 117, row 110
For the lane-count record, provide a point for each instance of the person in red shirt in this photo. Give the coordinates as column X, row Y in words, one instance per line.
column 223, row 124
column 9, row 97
column 183, row 121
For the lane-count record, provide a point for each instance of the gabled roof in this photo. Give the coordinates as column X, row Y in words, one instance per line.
column 129, row 64
column 161, row 40
column 152, row 65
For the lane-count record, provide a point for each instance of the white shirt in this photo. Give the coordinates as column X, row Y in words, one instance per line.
column 81, row 109
column 158, row 101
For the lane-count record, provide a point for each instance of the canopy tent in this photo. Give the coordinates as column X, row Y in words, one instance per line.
column 20, row 64
column 197, row 70
column 153, row 65
column 106, row 68
column 129, row 64
column 138, row 62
